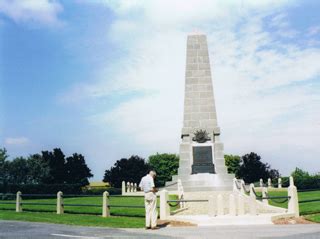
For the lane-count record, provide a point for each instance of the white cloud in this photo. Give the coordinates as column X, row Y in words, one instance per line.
column 266, row 96
column 16, row 141
column 36, row 11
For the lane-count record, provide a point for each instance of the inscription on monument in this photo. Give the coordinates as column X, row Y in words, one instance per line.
column 202, row 160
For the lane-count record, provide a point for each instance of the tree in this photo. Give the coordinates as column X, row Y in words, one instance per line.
column 56, row 162
column 18, row 171
column 165, row 165
column 129, row 170
column 77, row 170
column 252, row 169
column 38, row 169
column 232, row 163
column 3, row 166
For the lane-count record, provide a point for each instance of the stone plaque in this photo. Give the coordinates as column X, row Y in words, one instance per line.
column 202, row 160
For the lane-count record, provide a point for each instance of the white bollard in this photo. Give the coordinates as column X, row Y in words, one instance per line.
column 18, row 202
column 105, row 205
column 235, row 188
column 232, row 205
column 242, row 185
column 291, row 183
column 164, row 206
column 261, row 182
column 123, row 188
column 293, row 204
column 60, row 207
column 252, row 203
column 128, row 187
column 264, row 194
column 211, row 206
column 241, row 210
column 269, row 183
column 279, row 183
column 220, row 209
column 134, row 187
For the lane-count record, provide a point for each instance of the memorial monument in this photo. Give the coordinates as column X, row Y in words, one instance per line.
column 202, row 165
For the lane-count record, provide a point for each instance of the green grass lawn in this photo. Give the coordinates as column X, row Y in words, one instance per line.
column 90, row 216
column 74, row 219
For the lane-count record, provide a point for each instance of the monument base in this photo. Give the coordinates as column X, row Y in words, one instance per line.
column 202, row 182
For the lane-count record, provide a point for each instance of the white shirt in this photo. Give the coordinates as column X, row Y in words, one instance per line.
column 147, row 183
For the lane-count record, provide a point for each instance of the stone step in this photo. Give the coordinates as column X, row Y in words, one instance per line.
column 201, row 188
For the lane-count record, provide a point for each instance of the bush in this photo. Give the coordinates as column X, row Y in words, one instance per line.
column 303, row 180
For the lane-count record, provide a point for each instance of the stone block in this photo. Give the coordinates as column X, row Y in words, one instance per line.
column 204, row 66
column 209, row 87
column 192, row 52
column 218, row 146
column 203, row 53
column 192, row 67
column 212, row 116
column 189, row 73
column 218, row 154
column 185, row 148
column 207, row 123
column 196, row 46
column 199, row 73
column 206, row 109
column 187, row 116
column 192, row 59
column 184, row 163
column 185, row 156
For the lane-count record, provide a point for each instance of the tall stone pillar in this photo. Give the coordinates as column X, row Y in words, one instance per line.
column 201, row 151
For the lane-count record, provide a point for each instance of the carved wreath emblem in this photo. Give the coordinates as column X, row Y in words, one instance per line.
column 201, row 136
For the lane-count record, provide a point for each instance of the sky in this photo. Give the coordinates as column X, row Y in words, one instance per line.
column 106, row 78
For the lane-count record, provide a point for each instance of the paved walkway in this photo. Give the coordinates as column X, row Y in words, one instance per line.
column 14, row 229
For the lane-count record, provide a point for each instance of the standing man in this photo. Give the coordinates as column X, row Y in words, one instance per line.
column 150, row 199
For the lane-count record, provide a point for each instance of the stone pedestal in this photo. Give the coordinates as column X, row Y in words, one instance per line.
column 196, row 170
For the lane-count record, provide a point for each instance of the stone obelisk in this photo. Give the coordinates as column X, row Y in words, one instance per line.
column 202, row 164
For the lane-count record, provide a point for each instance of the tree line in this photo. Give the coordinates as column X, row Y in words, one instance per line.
column 132, row 169
column 48, row 167
column 248, row 167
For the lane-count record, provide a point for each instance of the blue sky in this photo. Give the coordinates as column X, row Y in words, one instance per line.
column 105, row 78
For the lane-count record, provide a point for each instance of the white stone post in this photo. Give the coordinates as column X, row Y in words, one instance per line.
column 253, row 203
column 164, row 206
column 279, row 183
column 220, row 209
column 241, row 205
column 242, row 185
column 211, row 206
column 261, row 182
column 293, row 204
column 123, row 188
column 232, row 205
column 18, row 202
column 134, row 187
column 128, row 187
column 269, row 183
column 131, row 187
column 60, row 207
column 264, row 194
column 235, row 188
column 105, row 205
